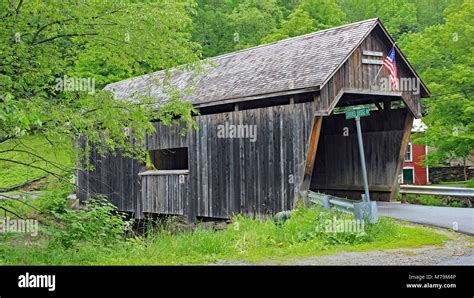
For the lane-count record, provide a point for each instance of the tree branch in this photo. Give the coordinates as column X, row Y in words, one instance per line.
column 18, row 200
column 56, row 165
column 63, row 35
column 3, row 208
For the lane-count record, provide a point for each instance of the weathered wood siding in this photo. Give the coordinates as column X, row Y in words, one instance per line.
column 337, row 169
column 236, row 175
column 356, row 76
column 164, row 194
column 115, row 177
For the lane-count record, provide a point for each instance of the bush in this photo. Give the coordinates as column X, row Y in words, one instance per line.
column 98, row 223
column 429, row 200
column 245, row 239
column 426, row 200
column 53, row 199
column 470, row 183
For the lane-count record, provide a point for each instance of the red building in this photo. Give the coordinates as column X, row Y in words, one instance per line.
column 415, row 170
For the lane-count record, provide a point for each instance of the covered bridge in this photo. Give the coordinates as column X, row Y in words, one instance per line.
column 270, row 126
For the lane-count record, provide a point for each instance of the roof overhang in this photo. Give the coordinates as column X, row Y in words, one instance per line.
column 259, row 96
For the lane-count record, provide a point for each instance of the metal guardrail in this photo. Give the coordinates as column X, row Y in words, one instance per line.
column 437, row 190
column 330, row 202
column 362, row 210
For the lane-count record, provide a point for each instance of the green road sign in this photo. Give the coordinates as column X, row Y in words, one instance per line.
column 351, row 114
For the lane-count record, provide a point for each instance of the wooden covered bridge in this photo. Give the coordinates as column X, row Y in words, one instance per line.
column 269, row 126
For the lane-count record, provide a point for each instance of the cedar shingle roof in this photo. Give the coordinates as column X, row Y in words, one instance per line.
column 300, row 62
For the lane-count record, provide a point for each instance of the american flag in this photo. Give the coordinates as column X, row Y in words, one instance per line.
column 391, row 65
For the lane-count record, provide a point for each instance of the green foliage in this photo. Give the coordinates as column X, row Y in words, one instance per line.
column 97, row 223
column 443, row 55
column 213, row 28
column 325, row 13
column 308, row 16
column 429, row 12
column 299, row 22
column 24, row 159
column 53, row 199
column 470, row 183
column 398, row 16
column 253, row 20
column 43, row 43
column 463, row 183
column 245, row 239
column 429, row 200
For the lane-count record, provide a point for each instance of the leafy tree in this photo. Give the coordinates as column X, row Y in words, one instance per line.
column 444, row 56
column 46, row 47
column 253, row 20
column 325, row 13
column 399, row 16
column 309, row 16
column 429, row 12
column 213, row 27
column 299, row 22
column 288, row 6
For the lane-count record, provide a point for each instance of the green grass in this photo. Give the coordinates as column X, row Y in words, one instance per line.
column 468, row 183
column 12, row 174
column 431, row 200
column 248, row 240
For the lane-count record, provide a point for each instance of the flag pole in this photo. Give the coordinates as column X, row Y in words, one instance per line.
column 380, row 69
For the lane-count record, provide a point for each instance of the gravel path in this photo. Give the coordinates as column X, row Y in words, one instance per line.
column 459, row 250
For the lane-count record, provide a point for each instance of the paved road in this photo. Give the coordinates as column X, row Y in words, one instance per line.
column 445, row 217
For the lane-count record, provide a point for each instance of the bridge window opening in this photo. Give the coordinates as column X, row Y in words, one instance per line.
column 170, row 159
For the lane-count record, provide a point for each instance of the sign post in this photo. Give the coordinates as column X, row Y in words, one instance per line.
column 365, row 210
column 356, row 114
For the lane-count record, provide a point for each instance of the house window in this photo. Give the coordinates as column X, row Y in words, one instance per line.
column 408, row 175
column 409, row 156
column 170, row 159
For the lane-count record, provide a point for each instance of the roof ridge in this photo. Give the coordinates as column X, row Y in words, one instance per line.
column 290, row 39
column 244, row 50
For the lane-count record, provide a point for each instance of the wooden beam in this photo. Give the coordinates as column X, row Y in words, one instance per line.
column 372, row 53
column 402, row 154
column 372, row 92
column 334, row 102
column 311, row 153
column 377, row 104
column 208, row 102
column 380, row 188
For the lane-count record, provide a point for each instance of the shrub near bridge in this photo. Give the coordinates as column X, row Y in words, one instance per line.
column 96, row 235
column 98, row 222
